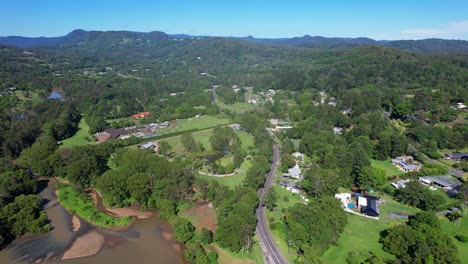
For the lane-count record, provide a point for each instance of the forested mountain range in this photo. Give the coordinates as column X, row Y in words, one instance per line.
column 78, row 37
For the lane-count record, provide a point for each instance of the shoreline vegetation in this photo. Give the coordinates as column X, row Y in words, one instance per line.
column 82, row 205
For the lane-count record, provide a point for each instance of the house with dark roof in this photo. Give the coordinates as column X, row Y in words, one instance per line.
column 446, row 182
column 457, row 156
column 371, row 206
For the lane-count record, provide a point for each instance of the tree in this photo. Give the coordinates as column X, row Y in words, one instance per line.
column 113, row 188
column 16, row 182
column 271, row 198
column 319, row 182
column 25, row 216
column 371, row 177
column 183, row 229
column 415, row 194
column 206, row 236
column 420, row 241
column 139, row 187
column 164, row 148
column 188, row 141
column 314, row 229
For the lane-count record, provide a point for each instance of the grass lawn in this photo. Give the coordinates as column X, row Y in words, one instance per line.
column 236, row 107
column 202, row 137
column 80, row 137
column 360, row 234
column 451, row 230
column 246, row 139
column 202, row 122
column 387, row 166
column 33, row 96
column 227, row 257
column 448, row 201
column 231, row 181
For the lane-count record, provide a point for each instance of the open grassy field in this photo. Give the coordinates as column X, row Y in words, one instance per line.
column 236, row 107
column 202, row 137
column 227, row 257
column 202, row 122
column 231, row 181
column 387, row 166
column 246, row 139
column 80, row 137
column 451, row 230
column 360, row 234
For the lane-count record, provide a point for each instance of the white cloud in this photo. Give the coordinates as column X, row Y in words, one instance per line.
column 452, row 30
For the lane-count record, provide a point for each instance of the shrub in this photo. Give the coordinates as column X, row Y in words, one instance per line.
column 272, row 226
column 462, row 238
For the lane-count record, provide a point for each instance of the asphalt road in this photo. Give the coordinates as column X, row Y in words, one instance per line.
column 451, row 170
column 271, row 253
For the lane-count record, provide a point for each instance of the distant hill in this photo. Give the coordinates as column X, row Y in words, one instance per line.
column 79, row 36
column 421, row 46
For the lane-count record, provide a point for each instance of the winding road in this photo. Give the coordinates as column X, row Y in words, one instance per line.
column 271, row 252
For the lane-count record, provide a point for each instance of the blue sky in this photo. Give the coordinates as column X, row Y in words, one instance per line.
column 379, row 19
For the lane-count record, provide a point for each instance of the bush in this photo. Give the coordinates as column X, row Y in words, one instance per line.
column 462, row 238
column 285, row 199
column 213, row 257
column 230, row 168
column 272, row 226
column 221, row 170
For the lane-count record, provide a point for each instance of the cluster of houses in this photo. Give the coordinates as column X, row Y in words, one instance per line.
column 144, row 131
column 446, row 182
column 406, row 164
column 356, row 203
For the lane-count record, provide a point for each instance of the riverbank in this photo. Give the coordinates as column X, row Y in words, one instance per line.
column 82, row 205
column 131, row 211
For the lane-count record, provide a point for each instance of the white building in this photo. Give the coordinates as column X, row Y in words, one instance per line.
column 295, row 172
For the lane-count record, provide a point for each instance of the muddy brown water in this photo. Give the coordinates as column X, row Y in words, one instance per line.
column 144, row 242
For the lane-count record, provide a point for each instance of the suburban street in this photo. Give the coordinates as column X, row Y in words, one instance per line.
column 271, row 253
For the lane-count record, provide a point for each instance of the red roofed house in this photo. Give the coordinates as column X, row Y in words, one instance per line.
column 141, row 115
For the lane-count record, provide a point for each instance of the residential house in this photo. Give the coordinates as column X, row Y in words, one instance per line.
column 405, row 164
column 298, row 156
column 446, row 182
column 141, row 115
column 148, row 145
column 370, row 207
column 345, row 198
column 400, row 184
column 295, row 172
column 457, row 156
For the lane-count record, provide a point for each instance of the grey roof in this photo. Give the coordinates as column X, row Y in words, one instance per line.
column 295, row 171
column 443, row 181
column 405, row 165
column 459, row 155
